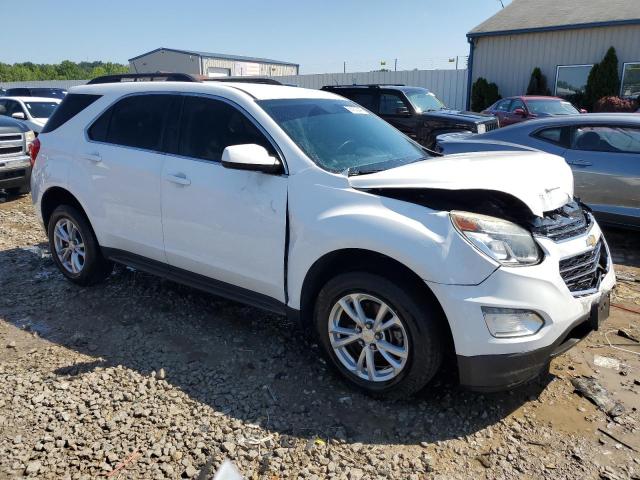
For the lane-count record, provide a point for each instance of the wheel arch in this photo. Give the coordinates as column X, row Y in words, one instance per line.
column 54, row 197
column 355, row 259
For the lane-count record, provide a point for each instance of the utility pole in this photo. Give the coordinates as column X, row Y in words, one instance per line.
column 344, row 67
column 395, row 65
column 457, row 58
column 501, row 3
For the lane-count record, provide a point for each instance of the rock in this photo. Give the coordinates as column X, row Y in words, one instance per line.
column 11, row 344
column 229, row 447
column 589, row 388
column 355, row 474
column 161, row 374
column 33, row 467
column 189, row 472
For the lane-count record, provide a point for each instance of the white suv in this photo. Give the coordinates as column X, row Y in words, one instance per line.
column 304, row 203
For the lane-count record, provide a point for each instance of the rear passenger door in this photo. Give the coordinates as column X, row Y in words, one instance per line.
column 122, row 166
column 228, row 225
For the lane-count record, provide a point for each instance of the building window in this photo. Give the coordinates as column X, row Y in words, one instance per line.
column 631, row 80
column 571, row 81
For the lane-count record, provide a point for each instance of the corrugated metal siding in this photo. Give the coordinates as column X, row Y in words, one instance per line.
column 237, row 67
column 508, row 60
column 66, row 84
column 448, row 85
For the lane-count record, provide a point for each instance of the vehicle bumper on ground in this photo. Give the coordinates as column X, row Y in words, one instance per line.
column 489, row 363
column 15, row 172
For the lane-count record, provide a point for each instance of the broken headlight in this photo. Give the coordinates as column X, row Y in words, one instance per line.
column 499, row 239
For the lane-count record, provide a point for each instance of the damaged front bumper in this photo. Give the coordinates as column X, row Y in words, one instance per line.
column 486, row 362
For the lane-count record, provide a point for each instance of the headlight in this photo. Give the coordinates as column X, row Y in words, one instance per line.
column 29, row 137
column 499, row 239
column 482, row 128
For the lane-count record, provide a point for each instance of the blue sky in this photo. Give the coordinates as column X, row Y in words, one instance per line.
column 319, row 35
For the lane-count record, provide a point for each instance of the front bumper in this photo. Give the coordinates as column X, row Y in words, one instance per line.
column 489, row 363
column 15, row 172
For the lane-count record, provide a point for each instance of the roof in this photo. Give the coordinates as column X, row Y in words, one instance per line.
column 32, row 99
column 224, row 56
column 584, row 118
column 256, row 90
column 524, row 16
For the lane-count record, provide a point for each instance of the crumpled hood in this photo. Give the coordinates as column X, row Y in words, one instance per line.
column 541, row 181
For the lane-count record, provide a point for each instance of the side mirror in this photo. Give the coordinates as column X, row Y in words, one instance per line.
column 402, row 111
column 583, row 110
column 18, row 115
column 250, row 157
column 520, row 112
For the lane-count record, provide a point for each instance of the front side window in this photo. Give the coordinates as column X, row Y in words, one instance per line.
column 209, row 126
column 551, row 107
column 424, row 100
column 392, row 104
column 503, row 106
column 138, row 121
column 41, row 109
column 571, row 81
column 556, row 135
column 339, row 135
column 607, row 139
column 631, row 80
column 515, row 105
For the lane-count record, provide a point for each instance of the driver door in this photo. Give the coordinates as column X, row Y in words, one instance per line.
column 396, row 110
column 228, row 225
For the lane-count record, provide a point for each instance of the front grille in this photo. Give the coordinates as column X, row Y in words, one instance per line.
column 583, row 272
column 566, row 222
column 10, row 150
column 491, row 125
column 10, row 137
column 11, row 144
column 13, row 174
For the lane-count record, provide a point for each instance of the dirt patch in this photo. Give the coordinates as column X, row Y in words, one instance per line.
column 172, row 381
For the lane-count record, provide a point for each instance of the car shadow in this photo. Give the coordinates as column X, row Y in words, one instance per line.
column 624, row 245
column 243, row 362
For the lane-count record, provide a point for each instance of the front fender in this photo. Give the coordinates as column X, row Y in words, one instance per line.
column 325, row 219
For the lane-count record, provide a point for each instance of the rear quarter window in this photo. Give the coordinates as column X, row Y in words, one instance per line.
column 71, row 106
column 559, row 136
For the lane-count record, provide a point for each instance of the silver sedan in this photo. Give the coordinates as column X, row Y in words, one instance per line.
column 603, row 151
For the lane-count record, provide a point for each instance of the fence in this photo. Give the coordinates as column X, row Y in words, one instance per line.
column 450, row 86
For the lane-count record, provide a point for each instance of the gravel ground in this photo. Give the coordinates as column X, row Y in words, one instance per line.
column 143, row 378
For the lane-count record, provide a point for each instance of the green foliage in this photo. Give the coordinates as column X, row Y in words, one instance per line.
column 538, row 83
column 483, row 94
column 65, row 70
column 604, row 80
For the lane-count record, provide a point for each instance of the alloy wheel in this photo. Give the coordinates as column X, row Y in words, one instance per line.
column 69, row 245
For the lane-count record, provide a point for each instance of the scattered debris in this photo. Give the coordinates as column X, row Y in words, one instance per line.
column 589, row 388
column 611, row 436
column 625, row 334
column 606, row 362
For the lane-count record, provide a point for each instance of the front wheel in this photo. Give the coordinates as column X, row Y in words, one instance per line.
column 380, row 336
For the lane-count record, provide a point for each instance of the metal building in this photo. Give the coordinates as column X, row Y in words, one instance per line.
column 565, row 38
column 208, row 64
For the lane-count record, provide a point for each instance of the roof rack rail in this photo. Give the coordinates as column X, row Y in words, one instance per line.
column 369, row 85
column 263, row 80
column 144, row 77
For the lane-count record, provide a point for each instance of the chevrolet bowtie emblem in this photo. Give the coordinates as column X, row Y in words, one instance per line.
column 591, row 241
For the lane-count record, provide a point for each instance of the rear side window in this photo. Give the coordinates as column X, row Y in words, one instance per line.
column 611, row 139
column 557, row 135
column 366, row 99
column 72, row 104
column 137, row 121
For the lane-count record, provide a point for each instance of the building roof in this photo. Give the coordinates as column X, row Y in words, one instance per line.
column 217, row 55
column 522, row 16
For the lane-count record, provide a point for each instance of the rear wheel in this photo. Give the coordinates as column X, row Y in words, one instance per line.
column 378, row 335
column 74, row 247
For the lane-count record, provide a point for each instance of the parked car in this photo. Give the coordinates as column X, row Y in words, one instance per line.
column 603, row 150
column 304, row 203
column 525, row 107
column 58, row 93
column 15, row 164
column 33, row 111
column 414, row 111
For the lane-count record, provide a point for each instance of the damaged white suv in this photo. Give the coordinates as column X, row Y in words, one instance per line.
column 304, row 203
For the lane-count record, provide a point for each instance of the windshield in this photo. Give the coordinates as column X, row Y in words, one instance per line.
column 551, row 107
column 48, row 92
column 424, row 101
column 340, row 135
column 40, row 109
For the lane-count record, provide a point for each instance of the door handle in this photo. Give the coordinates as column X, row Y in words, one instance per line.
column 178, row 178
column 580, row 163
column 92, row 157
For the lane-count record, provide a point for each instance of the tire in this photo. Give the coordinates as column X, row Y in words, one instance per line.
column 87, row 269
column 419, row 337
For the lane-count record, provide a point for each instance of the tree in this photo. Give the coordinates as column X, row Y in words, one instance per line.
column 604, row 80
column 67, row 70
column 483, row 94
column 538, row 83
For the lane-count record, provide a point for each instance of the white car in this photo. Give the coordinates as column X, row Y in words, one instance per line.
column 306, row 204
column 32, row 111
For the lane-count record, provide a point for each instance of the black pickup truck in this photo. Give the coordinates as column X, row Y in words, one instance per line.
column 415, row 111
column 15, row 163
